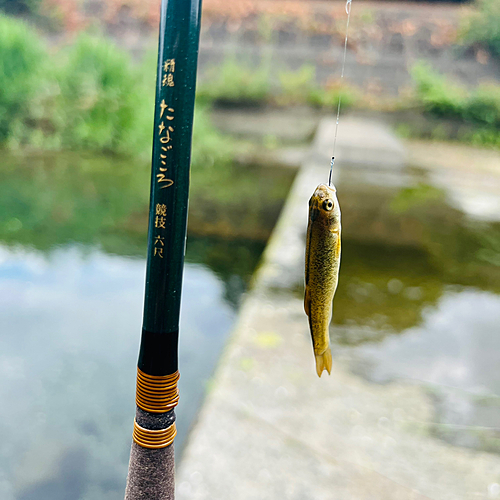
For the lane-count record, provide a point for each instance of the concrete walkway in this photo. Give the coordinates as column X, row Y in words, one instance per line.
column 271, row 429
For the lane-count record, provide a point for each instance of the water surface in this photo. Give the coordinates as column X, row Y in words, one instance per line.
column 72, row 271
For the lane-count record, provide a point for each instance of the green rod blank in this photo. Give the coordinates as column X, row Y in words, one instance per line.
column 173, row 123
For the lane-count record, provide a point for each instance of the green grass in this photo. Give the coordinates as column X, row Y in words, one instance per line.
column 476, row 112
column 435, row 94
column 104, row 104
column 237, row 83
column 23, row 61
column 88, row 96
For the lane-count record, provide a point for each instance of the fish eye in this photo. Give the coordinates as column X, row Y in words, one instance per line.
column 328, row 205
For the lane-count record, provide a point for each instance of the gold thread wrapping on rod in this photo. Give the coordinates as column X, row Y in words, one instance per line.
column 153, row 439
column 157, row 394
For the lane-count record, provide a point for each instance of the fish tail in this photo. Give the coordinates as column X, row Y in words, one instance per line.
column 324, row 362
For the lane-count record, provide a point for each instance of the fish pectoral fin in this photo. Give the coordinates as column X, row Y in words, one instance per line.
column 307, row 302
column 337, row 249
column 324, row 362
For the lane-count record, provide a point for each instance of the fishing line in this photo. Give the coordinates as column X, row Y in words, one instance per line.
column 348, row 6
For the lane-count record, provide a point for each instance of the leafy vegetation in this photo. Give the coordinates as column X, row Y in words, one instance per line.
column 435, row 94
column 92, row 96
column 22, row 63
column 103, row 102
column 88, row 96
column 236, row 83
column 477, row 110
column 483, row 26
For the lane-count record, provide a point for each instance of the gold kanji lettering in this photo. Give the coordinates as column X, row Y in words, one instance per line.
column 160, row 222
column 161, row 209
column 168, row 80
column 169, row 65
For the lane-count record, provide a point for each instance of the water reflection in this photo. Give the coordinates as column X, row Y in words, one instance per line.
column 72, row 270
column 457, row 345
column 70, row 323
column 52, row 200
column 454, row 353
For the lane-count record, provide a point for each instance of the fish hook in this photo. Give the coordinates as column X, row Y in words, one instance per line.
column 348, row 7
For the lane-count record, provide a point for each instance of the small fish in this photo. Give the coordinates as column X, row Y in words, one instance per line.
column 322, row 270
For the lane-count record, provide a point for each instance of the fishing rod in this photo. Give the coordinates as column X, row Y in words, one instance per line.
column 151, row 467
column 348, row 7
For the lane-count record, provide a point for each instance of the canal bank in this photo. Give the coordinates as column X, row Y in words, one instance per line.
column 271, row 429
